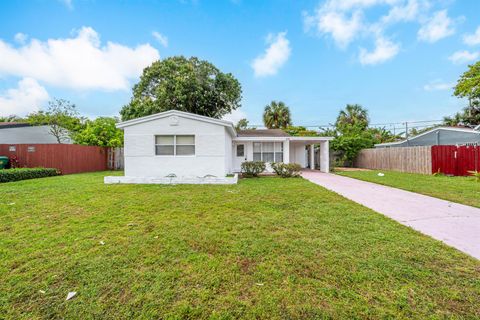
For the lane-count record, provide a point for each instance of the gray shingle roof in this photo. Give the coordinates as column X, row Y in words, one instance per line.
column 6, row 125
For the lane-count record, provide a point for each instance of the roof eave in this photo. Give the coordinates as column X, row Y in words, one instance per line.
column 188, row 115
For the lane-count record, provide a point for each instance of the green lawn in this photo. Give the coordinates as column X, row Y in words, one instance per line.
column 265, row 248
column 457, row 189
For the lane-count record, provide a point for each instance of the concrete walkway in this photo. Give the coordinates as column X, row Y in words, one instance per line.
column 455, row 224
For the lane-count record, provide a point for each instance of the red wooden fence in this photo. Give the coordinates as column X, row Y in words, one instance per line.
column 68, row 158
column 455, row 160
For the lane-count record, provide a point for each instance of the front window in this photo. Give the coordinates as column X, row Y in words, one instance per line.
column 240, row 150
column 268, row 151
column 175, row 145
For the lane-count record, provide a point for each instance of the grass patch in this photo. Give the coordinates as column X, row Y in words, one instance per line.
column 463, row 190
column 265, row 248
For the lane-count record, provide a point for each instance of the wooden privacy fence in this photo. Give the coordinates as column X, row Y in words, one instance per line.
column 457, row 161
column 409, row 159
column 68, row 158
column 451, row 160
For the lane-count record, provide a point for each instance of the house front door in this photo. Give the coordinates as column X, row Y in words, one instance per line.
column 239, row 156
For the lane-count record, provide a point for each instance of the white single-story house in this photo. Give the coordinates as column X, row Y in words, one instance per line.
column 439, row 136
column 181, row 147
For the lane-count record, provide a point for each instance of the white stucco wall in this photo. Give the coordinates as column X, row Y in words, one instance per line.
column 297, row 154
column 228, row 152
column 211, row 145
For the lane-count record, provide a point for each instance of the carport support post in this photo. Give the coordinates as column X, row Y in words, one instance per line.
column 312, row 156
column 324, row 157
column 286, row 151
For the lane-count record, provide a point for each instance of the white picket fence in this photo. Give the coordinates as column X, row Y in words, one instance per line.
column 116, row 159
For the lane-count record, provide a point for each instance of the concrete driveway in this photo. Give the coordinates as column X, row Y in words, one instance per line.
column 455, row 224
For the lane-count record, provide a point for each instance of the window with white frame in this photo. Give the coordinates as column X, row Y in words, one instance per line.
column 175, row 145
column 268, row 151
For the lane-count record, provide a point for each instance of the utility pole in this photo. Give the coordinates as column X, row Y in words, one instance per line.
column 406, row 133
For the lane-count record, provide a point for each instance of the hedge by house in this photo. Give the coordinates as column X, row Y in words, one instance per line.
column 287, row 170
column 252, row 168
column 9, row 175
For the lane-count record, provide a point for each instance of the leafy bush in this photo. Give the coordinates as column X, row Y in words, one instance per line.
column 13, row 162
column 475, row 174
column 9, row 175
column 252, row 168
column 286, row 170
column 276, row 167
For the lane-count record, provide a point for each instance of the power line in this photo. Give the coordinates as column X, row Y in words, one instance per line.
column 432, row 122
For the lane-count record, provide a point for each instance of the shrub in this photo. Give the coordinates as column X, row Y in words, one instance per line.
column 13, row 162
column 252, row 168
column 277, row 167
column 287, row 170
column 475, row 174
column 9, row 175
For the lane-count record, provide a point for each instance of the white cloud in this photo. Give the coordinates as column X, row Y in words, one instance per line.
column 384, row 51
column 163, row 40
column 438, row 85
column 408, row 11
column 274, row 57
column 436, row 28
column 346, row 21
column 345, row 5
column 67, row 3
column 464, row 56
column 79, row 62
column 21, row 38
column 472, row 39
column 341, row 27
column 235, row 116
column 27, row 97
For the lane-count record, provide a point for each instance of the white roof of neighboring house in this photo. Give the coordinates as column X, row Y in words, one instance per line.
column 455, row 129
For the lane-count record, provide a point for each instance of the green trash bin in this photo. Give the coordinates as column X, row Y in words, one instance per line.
column 3, row 162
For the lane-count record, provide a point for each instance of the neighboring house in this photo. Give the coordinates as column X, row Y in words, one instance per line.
column 24, row 133
column 439, row 136
column 191, row 147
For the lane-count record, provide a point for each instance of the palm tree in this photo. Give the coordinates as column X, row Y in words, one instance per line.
column 277, row 115
column 353, row 115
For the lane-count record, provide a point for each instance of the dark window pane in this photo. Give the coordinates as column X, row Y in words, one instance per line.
column 164, row 150
column 257, row 156
column 240, row 150
column 268, row 157
column 185, row 150
column 278, row 157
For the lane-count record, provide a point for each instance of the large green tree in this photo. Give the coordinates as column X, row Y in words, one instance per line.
column 242, row 124
column 277, row 115
column 468, row 87
column 100, row 132
column 352, row 133
column 190, row 85
column 354, row 116
column 12, row 118
column 300, row 131
column 62, row 117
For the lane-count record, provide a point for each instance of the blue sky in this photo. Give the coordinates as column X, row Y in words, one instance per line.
column 398, row 58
